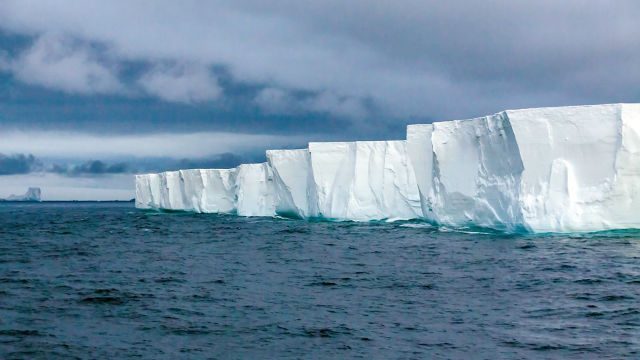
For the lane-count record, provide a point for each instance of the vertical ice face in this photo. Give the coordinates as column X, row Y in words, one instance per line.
column 468, row 171
column 364, row 180
column 193, row 188
column 623, row 202
column 255, row 190
column 155, row 185
column 172, row 191
column 332, row 166
column 577, row 164
column 420, row 153
column 219, row 190
column 143, row 192
column 477, row 171
column 295, row 193
column 546, row 170
column 199, row 190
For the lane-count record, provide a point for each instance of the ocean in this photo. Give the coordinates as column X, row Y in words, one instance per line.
column 104, row 280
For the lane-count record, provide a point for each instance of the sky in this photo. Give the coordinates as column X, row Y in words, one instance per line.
column 93, row 92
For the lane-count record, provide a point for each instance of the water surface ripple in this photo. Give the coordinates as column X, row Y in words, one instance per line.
column 103, row 280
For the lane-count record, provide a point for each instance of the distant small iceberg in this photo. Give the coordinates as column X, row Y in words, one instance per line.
column 33, row 194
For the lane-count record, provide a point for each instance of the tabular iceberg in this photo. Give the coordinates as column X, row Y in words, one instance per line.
column 255, row 190
column 295, row 191
column 199, row 190
column 364, row 180
column 219, row 191
column 542, row 170
column 468, row 172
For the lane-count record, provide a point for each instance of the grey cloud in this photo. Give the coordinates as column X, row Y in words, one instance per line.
column 185, row 83
column 220, row 161
column 92, row 167
column 18, row 164
column 275, row 101
column 279, row 101
column 414, row 58
column 61, row 63
column 85, row 146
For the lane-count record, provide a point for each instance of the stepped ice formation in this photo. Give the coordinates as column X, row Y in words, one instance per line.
column 199, row 190
column 558, row 169
column 364, row 180
column 544, row 170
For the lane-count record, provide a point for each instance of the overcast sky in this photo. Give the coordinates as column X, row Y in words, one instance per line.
column 93, row 91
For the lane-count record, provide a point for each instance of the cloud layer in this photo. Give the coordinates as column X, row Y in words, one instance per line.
column 18, row 164
column 55, row 144
column 418, row 58
column 104, row 88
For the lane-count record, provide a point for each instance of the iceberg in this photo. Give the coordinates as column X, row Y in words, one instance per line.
column 255, row 190
column 560, row 169
column 582, row 167
column 172, row 191
column 33, row 194
column 295, row 192
column 468, row 172
column 198, row 190
column 218, row 191
column 364, row 180
column 143, row 192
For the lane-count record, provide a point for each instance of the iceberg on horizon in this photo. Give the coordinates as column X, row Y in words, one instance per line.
column 33, row 194
column 560, row 169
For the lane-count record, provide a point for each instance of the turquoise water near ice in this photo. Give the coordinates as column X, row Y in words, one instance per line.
column 104, row 280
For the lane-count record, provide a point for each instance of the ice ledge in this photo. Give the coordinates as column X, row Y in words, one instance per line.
column 560, row 169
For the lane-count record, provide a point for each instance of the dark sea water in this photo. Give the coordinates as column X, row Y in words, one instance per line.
column 104, row 280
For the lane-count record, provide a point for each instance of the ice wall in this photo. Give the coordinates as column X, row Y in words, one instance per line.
column 199, row 190
column 172, row 191
column 364, row 180
column 546, row 170
column 192, row 187
column 543, row 170
column 219, row 191
column 143, row 192
column 468, row 172
column 255, row 190
column 582, row 166
column 295, row 192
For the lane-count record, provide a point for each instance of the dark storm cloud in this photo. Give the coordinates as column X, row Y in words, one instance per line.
column 18, row 164
column 92, row 167
column 241, row 65
column 96, row 168
column 221, row 161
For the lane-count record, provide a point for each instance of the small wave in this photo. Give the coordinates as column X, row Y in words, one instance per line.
column 324, row 332
column 108, row 300
column 418, row 226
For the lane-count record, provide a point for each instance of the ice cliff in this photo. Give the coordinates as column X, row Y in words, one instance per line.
column 542, row 170
column 364, row 180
